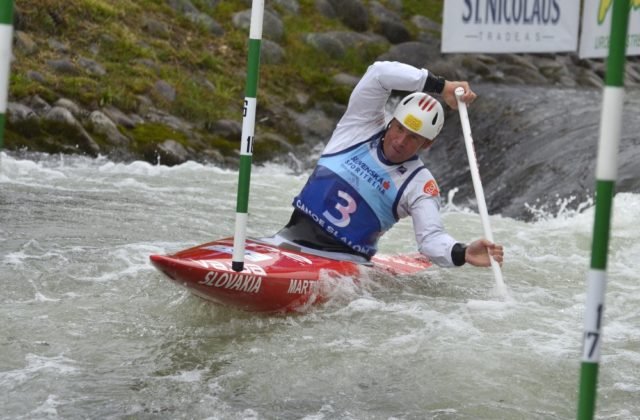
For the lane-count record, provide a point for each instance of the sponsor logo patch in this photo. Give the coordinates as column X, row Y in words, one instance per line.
column 412, row 122
column 431, row 188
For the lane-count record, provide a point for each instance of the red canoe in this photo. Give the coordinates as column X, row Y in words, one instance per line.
column 273, row 279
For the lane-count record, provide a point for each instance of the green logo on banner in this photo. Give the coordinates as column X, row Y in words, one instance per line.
column 605, row 5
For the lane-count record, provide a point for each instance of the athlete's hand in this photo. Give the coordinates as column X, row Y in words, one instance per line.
column 449, row 96
column 477, row 253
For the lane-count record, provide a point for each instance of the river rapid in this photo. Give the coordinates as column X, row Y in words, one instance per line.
column 91, row 330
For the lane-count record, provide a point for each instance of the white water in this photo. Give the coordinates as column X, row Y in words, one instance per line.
column 90, row 330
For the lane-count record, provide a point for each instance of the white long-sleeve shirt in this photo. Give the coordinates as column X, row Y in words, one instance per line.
column 364, row 117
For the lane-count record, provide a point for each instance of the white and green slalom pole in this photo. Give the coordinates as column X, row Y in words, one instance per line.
column 248, row 131
column 6, row 38
column 606, row 175
column 477, row 186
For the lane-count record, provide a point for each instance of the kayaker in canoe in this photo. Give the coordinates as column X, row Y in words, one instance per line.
column 369, row 175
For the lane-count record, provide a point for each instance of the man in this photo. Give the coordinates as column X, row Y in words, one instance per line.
column 370, row 176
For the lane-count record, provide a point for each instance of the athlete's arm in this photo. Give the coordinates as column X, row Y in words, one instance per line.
column 365, row 114
column 432, row 239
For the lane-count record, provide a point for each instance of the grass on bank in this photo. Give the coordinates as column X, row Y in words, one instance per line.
column 207, row 71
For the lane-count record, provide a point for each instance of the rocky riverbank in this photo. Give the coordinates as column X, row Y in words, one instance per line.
column 163, row 81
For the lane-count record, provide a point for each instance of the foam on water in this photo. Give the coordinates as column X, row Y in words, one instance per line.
column 36, row 364
column 83, row 307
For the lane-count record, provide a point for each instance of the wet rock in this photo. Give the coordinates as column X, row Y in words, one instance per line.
column 24, row 43
column 58, row 46
column 36, row 76
column 526, row 74
column 17, row 112
column 120, row 118
column 171, row 153
column 271, row 52
column 432, row 40
column 588, row 78
column 524, row 61
column 165, row 90
column 352, row 13
column 143, row 104
column 472, row 64
column 632, row 73
column 94, row 49
column 63, row 116
column 314, row 125
column 64, row 66
column 395, row 5
column 450, row 69
column 276, row 139
column 227, row 129
column 92, row 66
column 302, row 98
column 212, row 4
column 326, row 43
column 551, row 69
column 424, row 24
column 346, row 79
column 358, row 40
column 176, row 123
column 213, row 156
column 39, row 105
column 71, row 106
column 290, row 6
column 147, row 62
column 326, row 9
column 272, row 28
column 103, row 125
column 486, row 59
column 60, row 114
column 183, row 6
column 389, row 24
column 207, row 22
column 567, row 81
column 417, row 54
column 336, row 43
column 156, row 28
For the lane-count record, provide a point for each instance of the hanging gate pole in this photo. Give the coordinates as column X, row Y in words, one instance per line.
column 248, row 131
column 606, row 175
column 6, row 38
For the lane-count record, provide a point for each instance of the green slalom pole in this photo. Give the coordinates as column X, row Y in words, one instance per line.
column 6, row 38
column 606, row 175
column 248, row 131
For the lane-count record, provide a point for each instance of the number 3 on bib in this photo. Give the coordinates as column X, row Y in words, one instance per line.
column 345, row 211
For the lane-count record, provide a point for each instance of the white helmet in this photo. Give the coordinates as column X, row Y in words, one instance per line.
column 421, row 114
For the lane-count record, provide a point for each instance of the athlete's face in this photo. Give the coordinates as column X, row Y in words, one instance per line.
column 401, row 144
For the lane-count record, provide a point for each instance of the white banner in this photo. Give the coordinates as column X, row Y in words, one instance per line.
column 596, row 28
column 510, row 26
